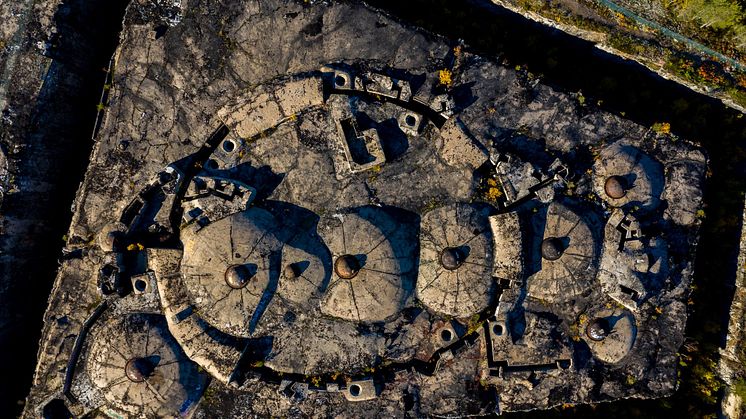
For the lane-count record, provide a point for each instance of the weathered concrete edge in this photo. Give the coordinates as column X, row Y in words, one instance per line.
column 729, row 364
column 599, row 40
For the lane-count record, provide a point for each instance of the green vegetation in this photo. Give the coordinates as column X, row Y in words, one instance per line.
column 717, row 24
column 721, row 24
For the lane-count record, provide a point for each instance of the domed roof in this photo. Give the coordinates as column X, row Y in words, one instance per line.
column 452, row 258
column 367, row 281
column 615, row 187
column 625, row 174
column 598, row 329
column 139, row 369
column 568, row 251
column 238, row 276
column 226, row 268
column 456, row 255
column 611, row 335
column 347, row 266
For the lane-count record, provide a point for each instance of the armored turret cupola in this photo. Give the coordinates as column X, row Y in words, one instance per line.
column 569, row 251
column 452, row 258
column 598, row 329
column 237, row 276
column 616, row 187
column 552, row 248
column 347, row 266
column 138, row 370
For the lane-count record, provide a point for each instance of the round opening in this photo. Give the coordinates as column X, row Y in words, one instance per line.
column 212, row 164
column 347, row 266
column 229, row 146
column 498, row 329
column 564, row 364
column 340, row 80
column 410, row 120
column 289, row 317
column 446, row 335
column 140, row 285
column 355, row 390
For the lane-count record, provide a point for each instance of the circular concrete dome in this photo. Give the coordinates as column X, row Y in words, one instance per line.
column 456, row 257
column 623, row 174
column 568, row 251
column 366, row 285
column 226, row 268
column 451, row 258
column 612, row 334
column 109, row 236
column 291, row 271
column 138, row 369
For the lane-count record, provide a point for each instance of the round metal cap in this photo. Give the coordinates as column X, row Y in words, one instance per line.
column 615, row 187
column 237, row 276
column 598, row 329
column 552, row 248
column 451, row 258
column 138, row 370
column 347, row 266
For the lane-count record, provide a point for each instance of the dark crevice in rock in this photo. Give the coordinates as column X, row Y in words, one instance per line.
column 49, row 169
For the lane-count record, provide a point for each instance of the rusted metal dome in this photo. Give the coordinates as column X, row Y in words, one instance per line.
column 347, row 266
column 552, row 248
column 598, row 329
column 237, row 276
column 615, row 187
column 138, row 370
column 452, row 258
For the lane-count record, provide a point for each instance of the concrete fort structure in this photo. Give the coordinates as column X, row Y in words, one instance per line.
column 312, row 223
